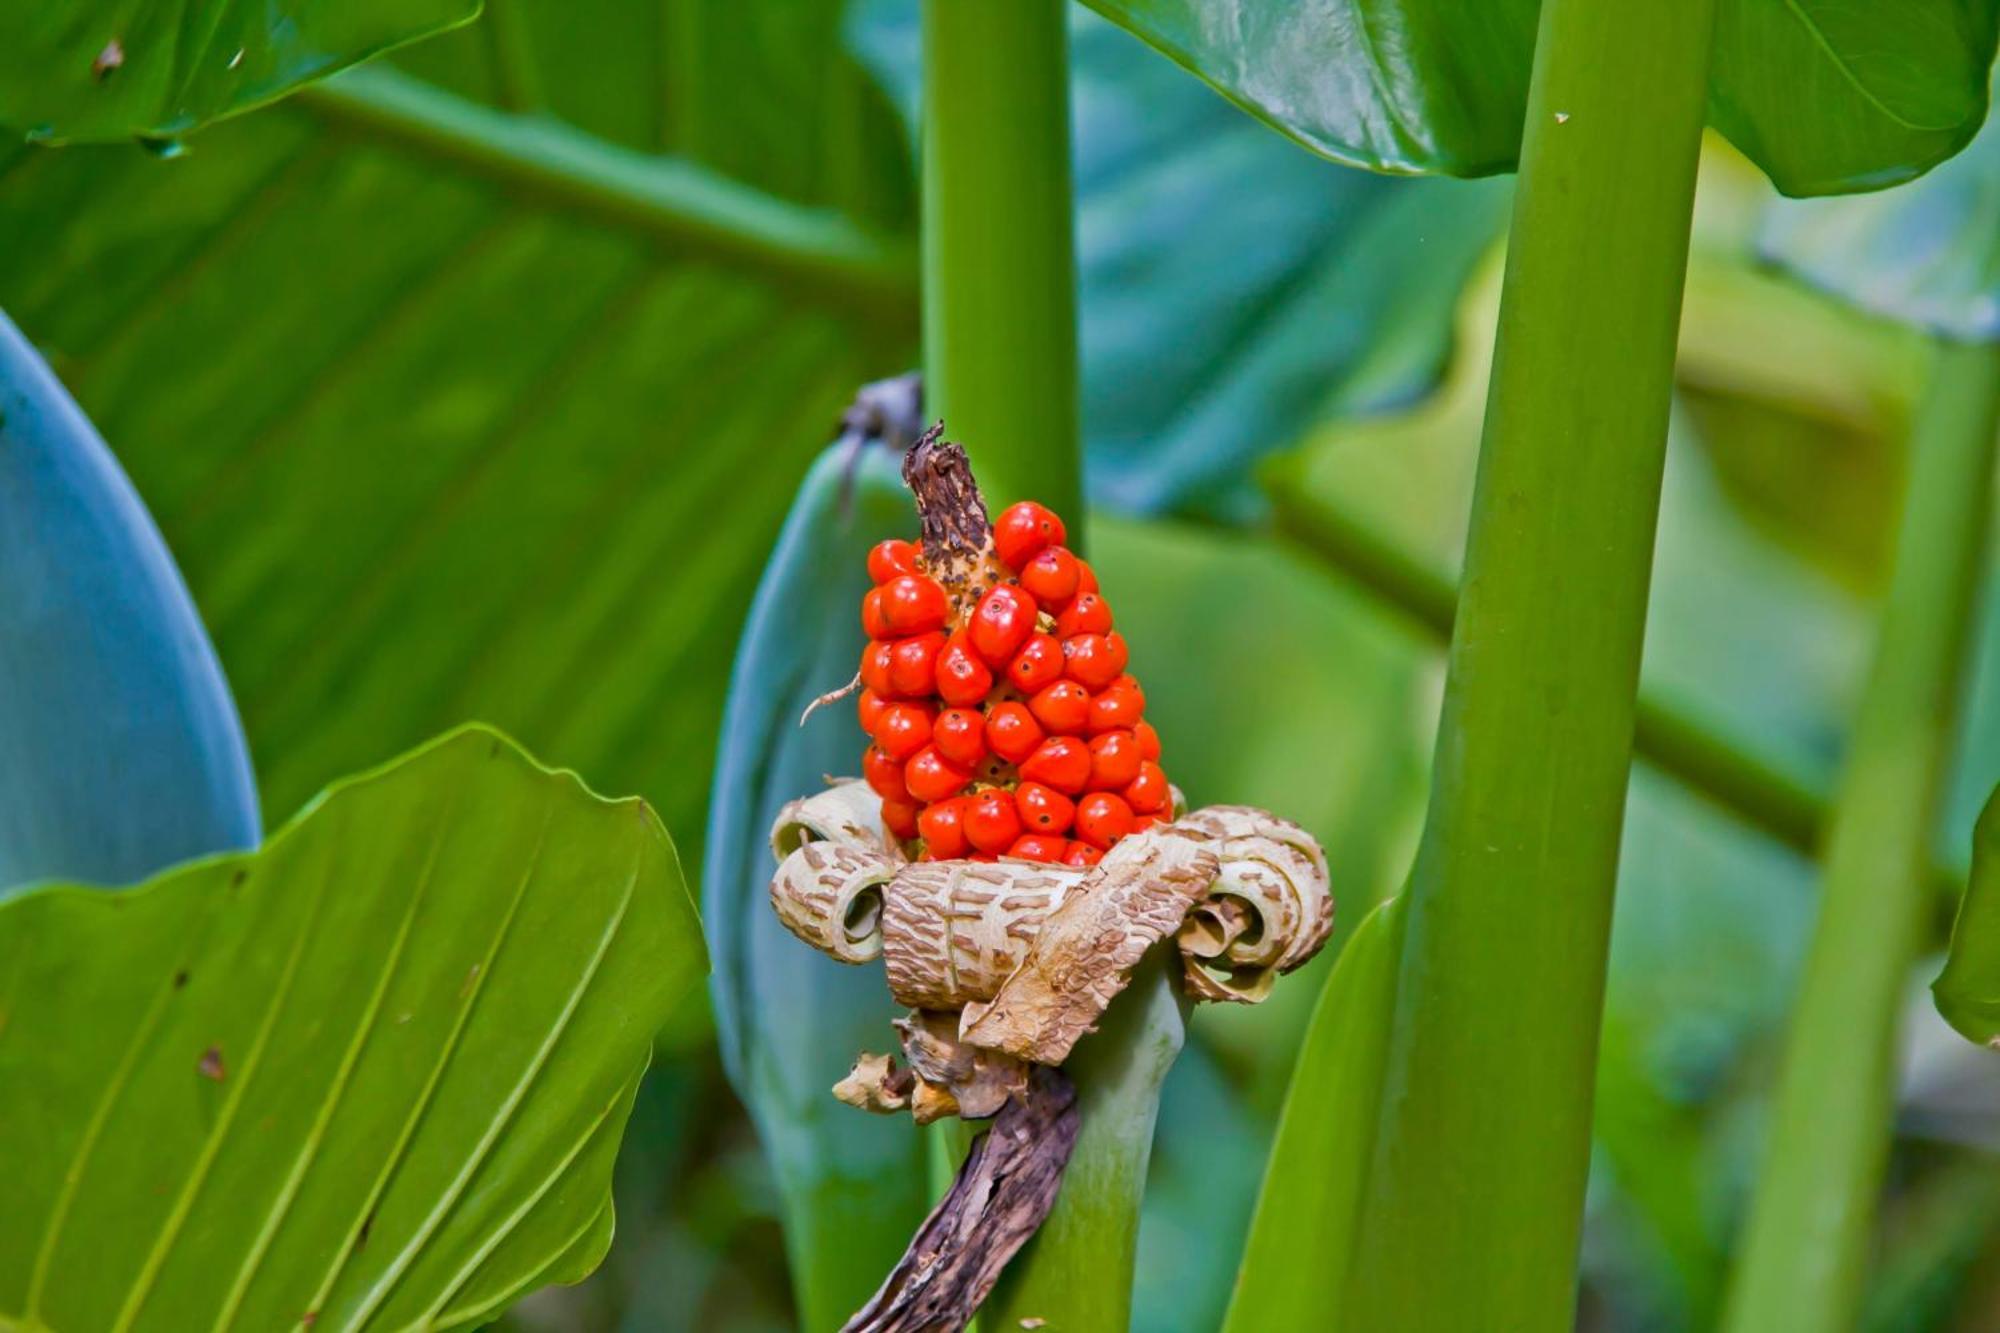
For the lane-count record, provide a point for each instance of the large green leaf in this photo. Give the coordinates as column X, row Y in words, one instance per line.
column 1825, row 96
column 1928, row 255
column 790, row 1020
column 1968, row 990
column 449, row 411
column 120, row 752
column 105, row 70
column 371, row 1075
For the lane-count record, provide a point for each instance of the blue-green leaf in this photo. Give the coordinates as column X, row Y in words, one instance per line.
column 120, row 751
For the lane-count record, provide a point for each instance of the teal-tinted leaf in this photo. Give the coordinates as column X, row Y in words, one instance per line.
column 372, row 1074
column 120, row 752
column 1968, row 990
column 438, row 426
column 791, row 1020
column 1927, row 254
column 103, row 70
column 1231, row 288
column 1825, row 97
column 1295, row 1263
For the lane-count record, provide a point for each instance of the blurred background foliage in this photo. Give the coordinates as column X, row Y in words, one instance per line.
column 446, row 415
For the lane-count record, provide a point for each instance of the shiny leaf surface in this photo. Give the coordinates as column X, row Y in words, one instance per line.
column 120, row 752
column 370, row 1075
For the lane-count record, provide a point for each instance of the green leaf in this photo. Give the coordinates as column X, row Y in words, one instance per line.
column 371, row 1074
column 447, row 410
column 97, row 71
column 1928, row 255
column 1968, row 990
column 1302, row 1236
column 120, row 751
column 790, row 1020
column 1825, row 97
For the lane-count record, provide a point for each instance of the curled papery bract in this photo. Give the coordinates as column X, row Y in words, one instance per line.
column 956, row 930
column 1268, row 911
column 835, row 859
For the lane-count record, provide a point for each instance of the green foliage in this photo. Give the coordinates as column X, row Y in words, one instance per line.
column 1825, row 97
column 373, row 1073
column 1968, row 990
column 99, row 70
column 790, row 1020
column 120, row 751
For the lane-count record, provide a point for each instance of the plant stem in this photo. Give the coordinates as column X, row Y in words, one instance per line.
column 1805, row 1259
column 999, row 250
column 1476, row 1184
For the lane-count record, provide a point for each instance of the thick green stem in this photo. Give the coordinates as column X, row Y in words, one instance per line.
column 999, row 250
column 1476, row 1184
column 1805, row 1260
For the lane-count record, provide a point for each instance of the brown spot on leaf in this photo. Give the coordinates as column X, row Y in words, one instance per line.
column 108, row 60
column 180, row 979
column 210, row 1065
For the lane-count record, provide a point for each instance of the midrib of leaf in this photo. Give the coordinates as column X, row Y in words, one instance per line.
column 308, row 1150
column 1846, row 72
column 240, row 1083
column 449, row 1200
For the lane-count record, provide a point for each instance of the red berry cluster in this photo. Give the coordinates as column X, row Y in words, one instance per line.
column 1017, row 733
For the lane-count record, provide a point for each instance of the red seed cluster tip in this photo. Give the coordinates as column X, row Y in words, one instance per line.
column 1018, row 732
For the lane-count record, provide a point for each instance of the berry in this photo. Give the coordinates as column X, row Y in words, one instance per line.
column 991, row 822
column 1023, row 530
column 1094, row 660
column 869, row 707
column 884, row 775
column 913, row 665
column 1052, row 576
column 942, row 827
column 1037, row 847
column 960, row 735
column 1147, row 793
column 911, row 604
column 962, row 679
column 932, row 777
column 1001, row 623
column 1086, row 578
column 1012, row 732
column 1061, row 762
column 1038, row 664
column 1140, row 823
column 875, row 669
column 892, row 559
column 1102, row 819
column 903, row 730
column 900, row 818
column 1114, row 760
column 1043, row 809
column 1087, row 613
column 1081, row 854
column 1149, row 740
column 1120, row 705
column 1062, row 708
column 874, row 618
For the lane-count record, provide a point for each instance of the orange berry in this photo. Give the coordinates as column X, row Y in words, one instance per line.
column 1063, row 708
column 960, row 735
column 1037, row 847
column 1012, row 732
column 1114, row 760
column 932, row 777
column 913, row 664
column 869, row 707
column 1086, row 578
column 991, row 822
column 900, row 818
column 942, row 827
column 874, row 617
column 1149, row 740
column 885, row 775
column 1120, row 705
column 1001, row 623
column 1140, row 823
column 902, row 730
column 1081, row 854
column 1039, row 663
column 1052, row 576
column 911, row 604
column 875, row 669
column 1148, row 792
column 1061, row 762
column 1094, row 660
column 1102, row 819
column 1044, row 809
column 1023, row 530
column 892, row 559
column 962, row 679
column 1087, row 613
